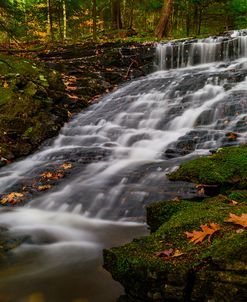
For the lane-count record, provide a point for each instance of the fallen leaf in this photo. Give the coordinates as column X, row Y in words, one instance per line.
column 52, row 175
column 12, row 198
column 240, row 231
column 165, row 253
column 72, row 96
column 240, row 220
column 66, row 166
column 199, row 236
column 5, row 84
column 177, row 253
column 44, row 187
column 171, row 253
column 71, row 88
column 232, row 136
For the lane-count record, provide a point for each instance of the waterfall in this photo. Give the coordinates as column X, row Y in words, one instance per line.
column 120, row 150
column 194, row 52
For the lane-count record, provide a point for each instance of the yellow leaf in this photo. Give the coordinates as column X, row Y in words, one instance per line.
column 66, row 166
column 52, row 175
column 44, row 187
column 177, row 253
column 5, row 84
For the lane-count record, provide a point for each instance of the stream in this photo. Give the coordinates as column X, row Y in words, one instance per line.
column 120, row 149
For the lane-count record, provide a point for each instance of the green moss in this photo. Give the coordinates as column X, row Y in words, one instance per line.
column 160, row 212
column 29, row 94
column 205, row 271
column 137, row 265
column 226, row 167
column 237, row 195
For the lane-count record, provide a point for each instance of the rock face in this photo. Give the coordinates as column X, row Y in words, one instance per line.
column 91, row 69
column 35, row 101
column 31, row 109
column 167, row 266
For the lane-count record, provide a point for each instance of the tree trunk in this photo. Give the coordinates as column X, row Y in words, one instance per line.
column 94, row 16
column 187, row 24
column 49, row 21
column 64, row 21
column 199, row 22
column 116, row 14
column 161, row 29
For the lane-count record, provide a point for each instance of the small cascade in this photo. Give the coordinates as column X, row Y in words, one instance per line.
column 179, row 54
column 121, row 150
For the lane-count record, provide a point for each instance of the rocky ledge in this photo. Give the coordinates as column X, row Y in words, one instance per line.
column 30, row 106
column 197, row 248
column 38, row 96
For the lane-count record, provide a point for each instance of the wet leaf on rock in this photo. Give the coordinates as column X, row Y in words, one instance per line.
column 240, row 220
column 44, row 187
column 52, row 175
column 12, row 198
column 199, row 236
column 66, row 166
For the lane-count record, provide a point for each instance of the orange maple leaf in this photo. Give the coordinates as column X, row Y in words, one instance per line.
column 199, row 236
column 241, row 220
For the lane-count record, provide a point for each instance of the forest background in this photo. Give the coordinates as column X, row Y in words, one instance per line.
column 76, row 21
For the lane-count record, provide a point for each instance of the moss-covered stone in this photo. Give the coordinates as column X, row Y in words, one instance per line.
column 148, row 277
column 215, row 270
column 31, row 108
column 227, row 167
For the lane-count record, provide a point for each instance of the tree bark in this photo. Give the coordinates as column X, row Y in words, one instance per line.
column 161, row 29
column 49, row 21
column 116, row 14
column 64, row 21
column 94, row 16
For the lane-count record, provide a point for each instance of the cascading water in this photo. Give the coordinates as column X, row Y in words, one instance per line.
column 193, row 52
column 121, row 149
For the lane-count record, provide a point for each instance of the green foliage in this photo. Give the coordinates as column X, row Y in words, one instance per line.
column 27, row 20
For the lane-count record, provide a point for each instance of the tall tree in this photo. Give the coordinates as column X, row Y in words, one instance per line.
column 64, row 20
column 50, row 31
column 162, row 27
column 116, row 14
column 94, row 16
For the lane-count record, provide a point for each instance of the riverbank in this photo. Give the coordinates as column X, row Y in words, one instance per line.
column 196, row 249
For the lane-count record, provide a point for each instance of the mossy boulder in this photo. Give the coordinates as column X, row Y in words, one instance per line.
column 227, row 167
column 209, row 270
column 167, row 265
column 31, row 105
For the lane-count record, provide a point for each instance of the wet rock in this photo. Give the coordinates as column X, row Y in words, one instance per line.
column 166, row 266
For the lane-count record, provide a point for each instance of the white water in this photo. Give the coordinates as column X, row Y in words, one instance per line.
column 118, row 148
column 189, row 53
